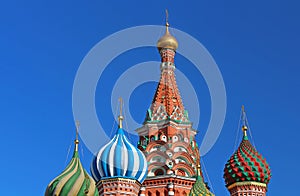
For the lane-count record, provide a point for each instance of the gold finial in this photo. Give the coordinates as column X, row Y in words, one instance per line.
column 120, row 116
column 244, row 127
column 77, row 140
column 198, row 167
column 198, row 170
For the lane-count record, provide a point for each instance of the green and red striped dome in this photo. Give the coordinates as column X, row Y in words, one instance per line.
column 246, row 165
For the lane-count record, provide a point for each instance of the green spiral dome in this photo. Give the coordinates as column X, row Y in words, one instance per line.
column 73, row 181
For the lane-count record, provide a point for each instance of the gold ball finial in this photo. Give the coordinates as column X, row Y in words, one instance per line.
column 121, row 118
column 244, row 129
column 76, row 139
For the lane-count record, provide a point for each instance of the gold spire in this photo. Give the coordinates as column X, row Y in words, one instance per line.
column 76, row 141
column 198, row 169
column 121, row 116
column 244, row 127
column 167, row 40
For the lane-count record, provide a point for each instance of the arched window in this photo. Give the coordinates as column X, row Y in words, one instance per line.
column 144, row 142
column 163, row 138
column 152, row 138
column 181, row 159
column 175, row 138
column 180, row 149
column 180, row 172
column 180, row 137
column 159, row 172
column 158, row 159
column 169, row 153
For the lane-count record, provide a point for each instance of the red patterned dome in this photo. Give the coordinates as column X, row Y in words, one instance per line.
column 246, row 165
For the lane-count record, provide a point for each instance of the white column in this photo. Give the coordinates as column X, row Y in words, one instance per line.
column 142, row 191
column 171, row 189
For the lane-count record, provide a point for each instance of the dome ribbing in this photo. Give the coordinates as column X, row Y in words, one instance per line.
column 119, row 158
column 74, row 180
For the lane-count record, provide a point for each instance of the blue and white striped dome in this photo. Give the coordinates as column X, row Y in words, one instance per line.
column 119, row 158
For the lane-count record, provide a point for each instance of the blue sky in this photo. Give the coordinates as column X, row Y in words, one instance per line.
column 255, row 45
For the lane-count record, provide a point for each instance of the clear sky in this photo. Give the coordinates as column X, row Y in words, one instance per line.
column 42, row 43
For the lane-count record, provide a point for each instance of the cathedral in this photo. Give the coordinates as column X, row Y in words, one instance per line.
column 166, row 161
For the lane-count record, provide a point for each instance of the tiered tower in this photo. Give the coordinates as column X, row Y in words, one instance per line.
column 167, row 137
column 167, row 160
column 74, row 180
column 246, row 172
column 119, row 168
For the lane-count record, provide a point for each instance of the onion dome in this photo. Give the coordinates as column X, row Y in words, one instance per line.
column 167, row 40
column 74, row 180
column 200, row 188
column 119, row 159
column 246, row 164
